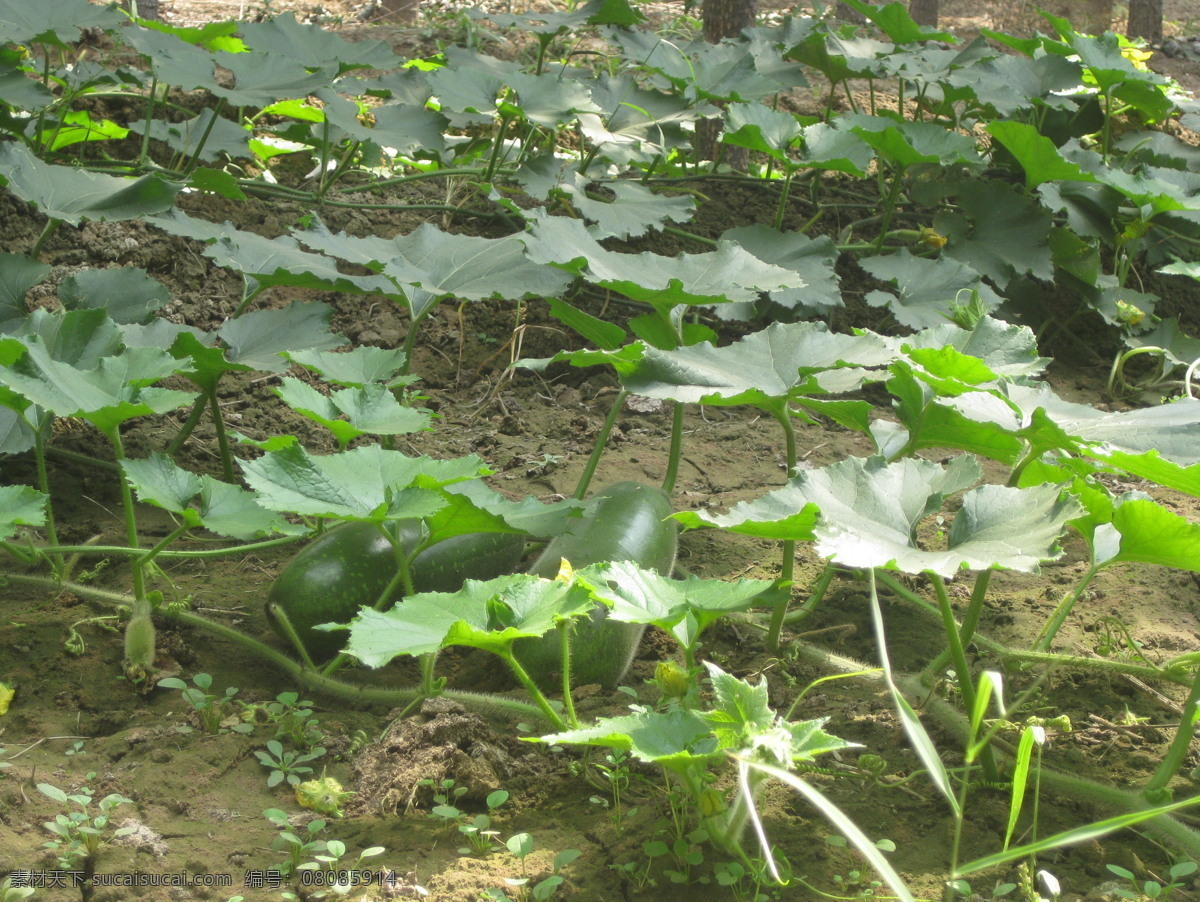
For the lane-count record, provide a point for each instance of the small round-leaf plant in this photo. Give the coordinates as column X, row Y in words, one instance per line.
column 210, row 709
column 79, row 830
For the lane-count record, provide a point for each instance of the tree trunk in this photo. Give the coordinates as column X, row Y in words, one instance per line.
column 144, row 9
column 1145, row 20
column 723, row 19
column 924, row 12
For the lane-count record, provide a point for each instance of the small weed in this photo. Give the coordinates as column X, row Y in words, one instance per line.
column 293, row 719
column 521, row 845
column 209, row 708
column 79, row 832
column 75, row 749
column 857, row 882
column 287, row 765
column 296, row 845
column 11, row 893
column 1153, row 889
column 481, row 838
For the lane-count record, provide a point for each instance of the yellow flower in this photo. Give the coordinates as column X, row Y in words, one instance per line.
column 1138, row 57
column 1129, row 314
column 932, row 238
column 6, row 696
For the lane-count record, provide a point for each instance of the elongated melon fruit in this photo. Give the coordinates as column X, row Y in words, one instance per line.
column 351, row 565
column 627, row 521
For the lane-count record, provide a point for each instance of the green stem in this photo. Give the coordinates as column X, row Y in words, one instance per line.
column 1117, row 374
column 788, row 565
column 1169, row 673
column 565, row 628
column 131, row 531
column 50, row 228
column 673, row 454
column 1054, row 624
column 783, row 198
column 690, row 236
column 103, row 550
column 962, row 669
column 416, row 176
column 297, row 673
column 195, row 160
column 820, row 587
column 151, row 97
column 970, row 621
column 589, row 469
column 189, row 425
column 531, row 687
column 1177, row 751
column 497, row 147
column 889, row 210
column 214, row 405
column 147, row 556
column 39, row 456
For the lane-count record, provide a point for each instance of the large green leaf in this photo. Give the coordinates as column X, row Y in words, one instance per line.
column 259, row 79
column 489, row 615
column 318, row 48
column 350, row 413
column 1000, row 233
column 929, row 423
column 869, row 511
column 527, row 515
column 637, row 125
column 1151, row 534
column 1036, row 153
column 813, row 260
column 726, row 274
column 126, row 293
column 225, row 509
column 1170, row 429
column 366, row 483
column 893, row 497
column 20, row 506
column 58, row 23
column 926, row 288
column 260, row 338
column 221, row 137
column 440, row 264
column 272, row 261
column 682, row 607
column 357, row 367
column 403, row 128
column 907, row 144
column 1149, row 465
column 672, row 738
column 172, row 60
column 1006, row 349
column 74, row 195
column 763, row 369
column 113, row 391
column 17, row 275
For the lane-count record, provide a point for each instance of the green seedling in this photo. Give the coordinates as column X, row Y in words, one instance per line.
column 480, row 835
column 287, row 765
column 296, row 845
column 81, row 831
column 292, row 719
column 11, row 893
column 210, row 709
column 328, row 870
column 1140, row 890
column 521, row 845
